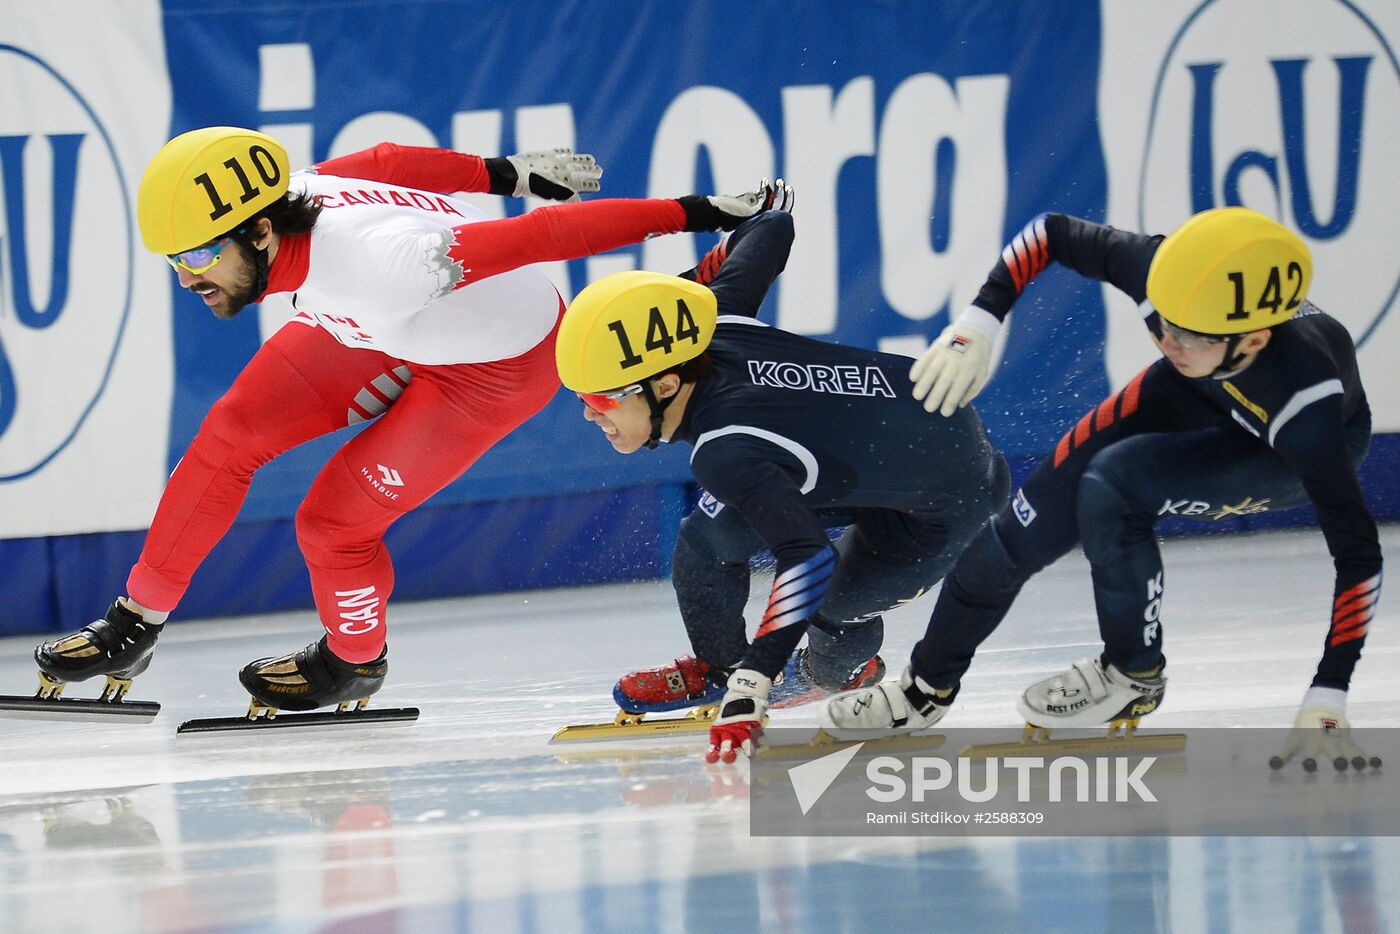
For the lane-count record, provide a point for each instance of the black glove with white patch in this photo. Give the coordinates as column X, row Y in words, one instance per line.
column 725, row 212
column 555, row 174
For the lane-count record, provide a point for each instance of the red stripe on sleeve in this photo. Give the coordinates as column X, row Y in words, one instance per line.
column 1355, row 590
column 1013, row 266
column 1103, row 415
column 1042, row 248
column 1083, row 429
column 1346, row 620
column 1027, row 249
column 1350, row 635
column 1131, row 393
column 1363, row 601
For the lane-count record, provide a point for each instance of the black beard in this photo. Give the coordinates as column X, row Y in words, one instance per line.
column 242, row 292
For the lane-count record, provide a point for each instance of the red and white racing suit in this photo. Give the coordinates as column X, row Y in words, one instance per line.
column 412, row 310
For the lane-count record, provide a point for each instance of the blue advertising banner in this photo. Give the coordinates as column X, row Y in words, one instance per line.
column 920, row 136
column 913, row 166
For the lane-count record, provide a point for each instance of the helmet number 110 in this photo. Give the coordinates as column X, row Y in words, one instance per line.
column 267, row 170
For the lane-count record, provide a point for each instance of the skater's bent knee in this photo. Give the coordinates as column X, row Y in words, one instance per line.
column 1102, row 497
column 987, row 568
column 226, row 429
column 712, row 541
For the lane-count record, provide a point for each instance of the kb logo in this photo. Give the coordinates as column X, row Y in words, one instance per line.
column 1287, row 107
column 65, row 261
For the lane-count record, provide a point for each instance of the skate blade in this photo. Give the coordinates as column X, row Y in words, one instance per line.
column 77, row 709
column 319, row 720
column 1122, row 736
column 823, row 742
column 635, row 726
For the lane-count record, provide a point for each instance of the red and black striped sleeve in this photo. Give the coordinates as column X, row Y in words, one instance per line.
column 1311, row 439
column 760, row 480
column 1107, row 254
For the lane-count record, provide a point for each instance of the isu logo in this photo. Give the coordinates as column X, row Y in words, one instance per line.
column 1287, row 108
column 66, row 253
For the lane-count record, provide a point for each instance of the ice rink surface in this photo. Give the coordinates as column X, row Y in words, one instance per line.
column 469, row 821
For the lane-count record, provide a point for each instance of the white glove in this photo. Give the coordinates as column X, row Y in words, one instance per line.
column 739, row 723
column 1321, row 733
column 954, row 369
column 556, row 174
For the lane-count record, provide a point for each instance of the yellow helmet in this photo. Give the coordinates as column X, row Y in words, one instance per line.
column 1228, row 271
column 204, row 183
column 629, row 326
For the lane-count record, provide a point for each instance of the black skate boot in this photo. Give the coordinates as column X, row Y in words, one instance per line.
column 119, row 646
column 313, row 677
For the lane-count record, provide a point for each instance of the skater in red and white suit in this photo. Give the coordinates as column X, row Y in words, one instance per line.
column 412, row 311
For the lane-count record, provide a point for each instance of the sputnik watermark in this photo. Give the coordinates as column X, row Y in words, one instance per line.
column 1102, row 779
column 1118, row 779
column 997, row 782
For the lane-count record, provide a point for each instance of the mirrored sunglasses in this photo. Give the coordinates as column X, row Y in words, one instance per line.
column 607, row 401
column 201, row 258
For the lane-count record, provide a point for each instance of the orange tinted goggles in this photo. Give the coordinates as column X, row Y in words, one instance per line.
column 607, row 401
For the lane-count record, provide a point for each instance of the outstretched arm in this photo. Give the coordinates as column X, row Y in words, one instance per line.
column 556, row 174
column 1313, row 443
column 571, row 231
column 421, row 167
column 954, row 369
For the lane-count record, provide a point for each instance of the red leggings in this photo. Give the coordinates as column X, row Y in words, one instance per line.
column 302, row 384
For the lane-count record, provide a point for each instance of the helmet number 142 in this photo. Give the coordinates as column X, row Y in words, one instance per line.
column 1272, row 296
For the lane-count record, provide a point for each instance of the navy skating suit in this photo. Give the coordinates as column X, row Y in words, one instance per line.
column 792, row 436
column 1288, row 429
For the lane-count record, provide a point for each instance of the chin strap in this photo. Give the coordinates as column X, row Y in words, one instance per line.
column 1232, row 358
column 658, row 412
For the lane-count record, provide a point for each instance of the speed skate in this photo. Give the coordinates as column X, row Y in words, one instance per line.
column 1088, row 694
column 346, row 714
column 118, row 646
column 684, row 685
column 304, row 680
column 635, row 726
column 48, row 703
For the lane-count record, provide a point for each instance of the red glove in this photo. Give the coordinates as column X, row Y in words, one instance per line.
column 739, row 723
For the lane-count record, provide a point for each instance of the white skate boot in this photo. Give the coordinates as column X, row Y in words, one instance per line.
column 908, row 703
column 1090, row 694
